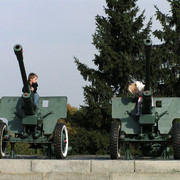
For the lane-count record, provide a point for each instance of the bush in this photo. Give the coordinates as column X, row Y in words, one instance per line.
column 23, row 149
column 89, row 142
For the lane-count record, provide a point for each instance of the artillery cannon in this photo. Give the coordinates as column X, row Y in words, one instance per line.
column 154, row 130
column 37, row 126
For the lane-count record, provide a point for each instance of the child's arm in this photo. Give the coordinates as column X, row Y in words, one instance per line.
column 34, row 86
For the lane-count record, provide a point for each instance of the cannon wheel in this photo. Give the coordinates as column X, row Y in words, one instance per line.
column 114, row 140
column 176, row 138
column 3, row 145
column 60, row 141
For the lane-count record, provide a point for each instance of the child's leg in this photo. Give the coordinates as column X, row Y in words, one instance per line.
column 140, row 99
column 36, row 98
column 152, row 101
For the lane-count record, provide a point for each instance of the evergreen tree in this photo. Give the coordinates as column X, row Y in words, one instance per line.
column 119, row 40
column 167, row 55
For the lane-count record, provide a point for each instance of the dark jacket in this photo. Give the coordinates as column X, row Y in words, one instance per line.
column 34, row 85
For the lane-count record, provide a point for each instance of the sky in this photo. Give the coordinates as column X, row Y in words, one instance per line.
column 52, row 33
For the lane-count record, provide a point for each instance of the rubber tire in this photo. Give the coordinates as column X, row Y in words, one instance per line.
column 176, row 138
column 114, row 144
column 60, row 131
column 3, row 145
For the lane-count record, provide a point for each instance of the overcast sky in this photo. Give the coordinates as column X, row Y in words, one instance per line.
column 52, row 32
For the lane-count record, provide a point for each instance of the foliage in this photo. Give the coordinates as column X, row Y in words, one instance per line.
column 84, row 141
column 166, row 56
column 23, row 149
column 71, row 110
column 89, row 141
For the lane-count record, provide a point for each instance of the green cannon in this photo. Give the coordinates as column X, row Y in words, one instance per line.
column 154, row 130
column 38, row 126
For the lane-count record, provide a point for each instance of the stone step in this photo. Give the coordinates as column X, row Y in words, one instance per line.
column 88, row 169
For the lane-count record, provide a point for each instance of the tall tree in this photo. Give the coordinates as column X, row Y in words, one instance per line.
column 167, row 54
column 119, row 40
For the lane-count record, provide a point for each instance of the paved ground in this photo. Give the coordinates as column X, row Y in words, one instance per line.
column 87, row 157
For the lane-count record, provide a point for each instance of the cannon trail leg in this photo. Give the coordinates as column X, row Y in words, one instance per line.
column 12, row 150
column 165, row 153
column 49, row 152
column 127, row 151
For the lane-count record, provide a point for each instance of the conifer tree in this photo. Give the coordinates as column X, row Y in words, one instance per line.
column 119, row 40
column 167, row 55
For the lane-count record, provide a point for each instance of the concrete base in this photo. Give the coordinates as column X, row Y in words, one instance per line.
column 17, row 169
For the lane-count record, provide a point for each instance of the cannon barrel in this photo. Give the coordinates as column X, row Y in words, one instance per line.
column 27, row 96
column 147, row 95
column 18, row 50
column 148, row 44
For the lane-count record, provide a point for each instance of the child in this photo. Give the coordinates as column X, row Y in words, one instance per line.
column 137, row 88
column 32, row 79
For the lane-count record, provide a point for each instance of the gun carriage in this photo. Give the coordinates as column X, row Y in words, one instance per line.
column 23, row 122
column 154, row 130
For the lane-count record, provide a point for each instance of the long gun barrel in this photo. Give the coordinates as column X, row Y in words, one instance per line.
column 147, row 95
column 27, row 96
column 148, row 44
column 18, row 50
